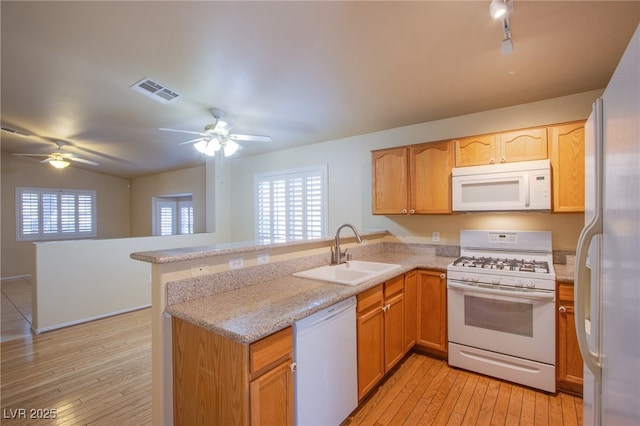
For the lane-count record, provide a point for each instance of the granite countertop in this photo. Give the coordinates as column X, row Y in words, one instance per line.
column 249, row 313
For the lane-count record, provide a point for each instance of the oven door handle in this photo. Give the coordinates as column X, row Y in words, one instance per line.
column 538, row 295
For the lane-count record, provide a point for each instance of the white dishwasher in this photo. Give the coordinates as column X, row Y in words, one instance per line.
column 326, row 381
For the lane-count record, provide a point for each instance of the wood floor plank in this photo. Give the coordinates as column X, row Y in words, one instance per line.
column 99, row 374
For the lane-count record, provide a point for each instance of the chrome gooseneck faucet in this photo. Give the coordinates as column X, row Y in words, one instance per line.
column 338, row 256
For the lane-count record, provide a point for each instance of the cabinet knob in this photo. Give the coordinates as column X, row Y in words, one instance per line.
column 492, row 161
column 293, row 366
column 443, row 276
column 404, row 211
column 562, row 309
column 386, row 307
column 503, row 160
column 412, row 211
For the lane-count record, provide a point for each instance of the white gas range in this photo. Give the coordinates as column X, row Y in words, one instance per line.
column 501, row 306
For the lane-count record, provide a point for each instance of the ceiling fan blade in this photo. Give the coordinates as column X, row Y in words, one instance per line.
column 183, row 131
column 82, row 160
column 194, row 140
column 47, row 160
column 255, row 138
column 32, row 155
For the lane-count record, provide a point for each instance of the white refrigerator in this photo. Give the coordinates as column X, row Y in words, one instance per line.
column 607, row 272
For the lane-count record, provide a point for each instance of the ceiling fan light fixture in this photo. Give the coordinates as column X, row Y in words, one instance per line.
column 230, row 147
column 208, row 147
column 59, row 164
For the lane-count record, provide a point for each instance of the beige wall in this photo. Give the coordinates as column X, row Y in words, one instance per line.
column 191, row 180
column 349, row 168
column 112, row 204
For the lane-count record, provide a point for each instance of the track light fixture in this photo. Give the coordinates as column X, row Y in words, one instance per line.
column 500, row 9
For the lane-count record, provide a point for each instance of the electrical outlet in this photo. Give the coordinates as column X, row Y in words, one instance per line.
column 263, row 258
column 197, row 270
column 435, row 236
column 236, row 263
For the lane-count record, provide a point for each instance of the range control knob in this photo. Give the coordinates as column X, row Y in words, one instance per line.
column 531, row 284
column 465, row 277
column 476, row 279
column 496, row 280
column 519, row 283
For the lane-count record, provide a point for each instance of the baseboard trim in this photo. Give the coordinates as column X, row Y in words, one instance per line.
column 83, row 320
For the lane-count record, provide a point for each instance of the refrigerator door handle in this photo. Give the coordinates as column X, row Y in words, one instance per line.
column 582, row 284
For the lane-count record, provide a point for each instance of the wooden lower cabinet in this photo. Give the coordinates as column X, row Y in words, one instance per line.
column 569, row 363
column 218, row 381
column 432, row 313
column 381, row 335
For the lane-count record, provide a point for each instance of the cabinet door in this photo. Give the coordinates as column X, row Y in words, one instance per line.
column 476, row 150
column 390, row 181
column 567, row 166
column 432, row 312
column 523, row 145
column 410, row 309
column 271, row 396
column 370, row 327
column 430, row 171
column 393, row 330
column 569, row 369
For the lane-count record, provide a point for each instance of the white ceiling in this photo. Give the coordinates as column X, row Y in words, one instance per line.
column 302, row 72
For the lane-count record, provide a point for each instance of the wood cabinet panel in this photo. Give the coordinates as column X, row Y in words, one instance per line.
column 213, row 384
column 523, row 145
column 370, row 328
column 209, row 378
column 271, row 397
column 476, row 150
column 394, row 330
column 569, row 363
column 430, row 172
column 410, row 309
column 390, row 181
column 566, row 153
column 432, row 313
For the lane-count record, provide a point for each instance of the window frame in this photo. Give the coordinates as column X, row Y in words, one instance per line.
column 176, row 203
column 288, row 175
column 61, row 215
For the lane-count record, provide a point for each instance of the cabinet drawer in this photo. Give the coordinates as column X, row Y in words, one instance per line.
column 268, row 351
column 369, row 298
column 565, row 292
column 393, row 286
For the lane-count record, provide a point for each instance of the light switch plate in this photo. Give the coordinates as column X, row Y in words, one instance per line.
column 435, row 236
column 263, row 258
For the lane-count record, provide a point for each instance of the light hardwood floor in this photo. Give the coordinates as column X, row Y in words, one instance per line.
column 99, row 373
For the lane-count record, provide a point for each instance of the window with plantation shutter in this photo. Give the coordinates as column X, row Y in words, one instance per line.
column 173, row 215
column 48, row 214
column 291, row 205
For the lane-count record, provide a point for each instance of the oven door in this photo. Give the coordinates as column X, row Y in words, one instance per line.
column 520, row 323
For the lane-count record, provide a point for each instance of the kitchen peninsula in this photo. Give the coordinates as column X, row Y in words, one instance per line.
column 196, row 287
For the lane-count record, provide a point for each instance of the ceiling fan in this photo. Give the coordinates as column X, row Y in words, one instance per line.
column 216, row 136
column 59, row 158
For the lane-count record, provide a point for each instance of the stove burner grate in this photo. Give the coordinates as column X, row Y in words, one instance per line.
column 505, row 264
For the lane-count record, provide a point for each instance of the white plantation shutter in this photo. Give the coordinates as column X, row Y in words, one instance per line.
column 291, row 205
column 173, row 215
column 44, row 214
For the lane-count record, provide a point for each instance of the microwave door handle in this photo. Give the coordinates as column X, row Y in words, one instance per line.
column 527, row 190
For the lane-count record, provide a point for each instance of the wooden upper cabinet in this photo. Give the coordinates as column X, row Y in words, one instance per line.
column 390, row 176
column 412, row 180
column 476, row 150
column 508, row 147
column 523, row 145
column 566, row 152
column 430, row 172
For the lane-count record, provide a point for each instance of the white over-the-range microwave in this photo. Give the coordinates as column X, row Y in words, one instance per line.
column 524, row 185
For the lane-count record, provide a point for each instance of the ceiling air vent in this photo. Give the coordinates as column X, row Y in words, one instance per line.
column 14, row 131
column 155, row 91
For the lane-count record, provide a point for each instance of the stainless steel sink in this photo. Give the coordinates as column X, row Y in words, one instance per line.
column 352, row 272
